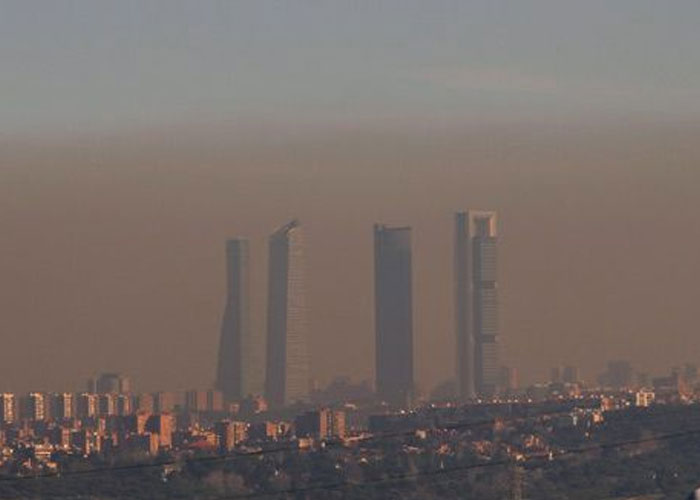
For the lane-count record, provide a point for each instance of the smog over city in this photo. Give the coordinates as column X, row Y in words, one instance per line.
column 271, row 210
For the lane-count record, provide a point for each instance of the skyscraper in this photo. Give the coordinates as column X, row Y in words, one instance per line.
column 476, row 304
column 239, row 371
column 287, row 377
column 393, row 305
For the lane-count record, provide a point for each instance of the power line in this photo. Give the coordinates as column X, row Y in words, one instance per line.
column 238, row 455
column 280, row 449
column 443, row 472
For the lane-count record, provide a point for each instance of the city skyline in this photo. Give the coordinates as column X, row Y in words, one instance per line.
column 137, row 138
column 427, row 250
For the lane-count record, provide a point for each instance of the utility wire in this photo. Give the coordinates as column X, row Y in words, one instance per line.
column 443, row 472
column 237, row 455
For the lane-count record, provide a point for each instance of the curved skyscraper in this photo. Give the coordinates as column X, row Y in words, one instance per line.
column 239, row 370
column 287, row 379
column 476, row 304
column 393, row 299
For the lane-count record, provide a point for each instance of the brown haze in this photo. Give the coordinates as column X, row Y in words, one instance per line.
column 111, row 254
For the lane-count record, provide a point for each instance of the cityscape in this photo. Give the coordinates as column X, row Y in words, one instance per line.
column 349, row 250
column 263, row 401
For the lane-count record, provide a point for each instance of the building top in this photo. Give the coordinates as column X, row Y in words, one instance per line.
column 292, row 224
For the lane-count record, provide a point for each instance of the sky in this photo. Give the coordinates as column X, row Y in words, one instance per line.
column 137, row 136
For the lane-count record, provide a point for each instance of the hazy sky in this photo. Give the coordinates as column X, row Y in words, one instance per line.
column 136, row 136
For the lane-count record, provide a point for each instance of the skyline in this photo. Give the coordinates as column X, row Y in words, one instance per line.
column 137, row 137
column 370, row 246
column 203, row 375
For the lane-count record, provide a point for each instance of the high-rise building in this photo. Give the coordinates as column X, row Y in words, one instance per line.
column 476, row 303
column 163, row 402
column 196, row 401
column 215, row 401
column 145, row 402
column 107, row 404
column 123, row 403
column 62, row 407
column 393, row 317
column 8, row 408
column 239, row 371
column 324, row 424
column 230, row 433
column 35, row 407
column 287, row 367
column 86, row 405
column 162, row 425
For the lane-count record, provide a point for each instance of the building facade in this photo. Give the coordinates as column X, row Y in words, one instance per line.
column 239, row 371
column 393, row 304
column 476, row 304
column 287, row 364
column 8, row 408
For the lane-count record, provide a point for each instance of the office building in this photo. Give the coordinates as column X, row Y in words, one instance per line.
column 322, row 424
column 8, row 408
column 163, row 402
column 196, row 401
column 162, row 425
column 107, row 404
column 476, row 304
column 229, row 434
column 393, row 305
column 145, row 402
column 86, row 405
column 62, row 407
column 35, row 407
column 287, row 366
column 239, row 371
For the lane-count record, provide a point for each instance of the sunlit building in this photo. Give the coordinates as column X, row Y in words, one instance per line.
column 35, row 406
column 86, row 405
column 8, row 408
column 63, row 406
column 476, row 304
column 287, row 366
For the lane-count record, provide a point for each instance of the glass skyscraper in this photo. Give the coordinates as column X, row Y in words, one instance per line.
column 476, row 304
column 239, row 370
column 287, row 379
column 393, row 298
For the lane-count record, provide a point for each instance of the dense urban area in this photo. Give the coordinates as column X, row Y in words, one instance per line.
column 628, row 437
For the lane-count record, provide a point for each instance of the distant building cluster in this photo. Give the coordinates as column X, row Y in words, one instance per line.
column 278, row 365
column 283, row 374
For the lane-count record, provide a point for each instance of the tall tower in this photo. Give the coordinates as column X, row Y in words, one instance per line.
column 287, row 377
column 393, row 305
column 476, row 303
column 239, row 370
